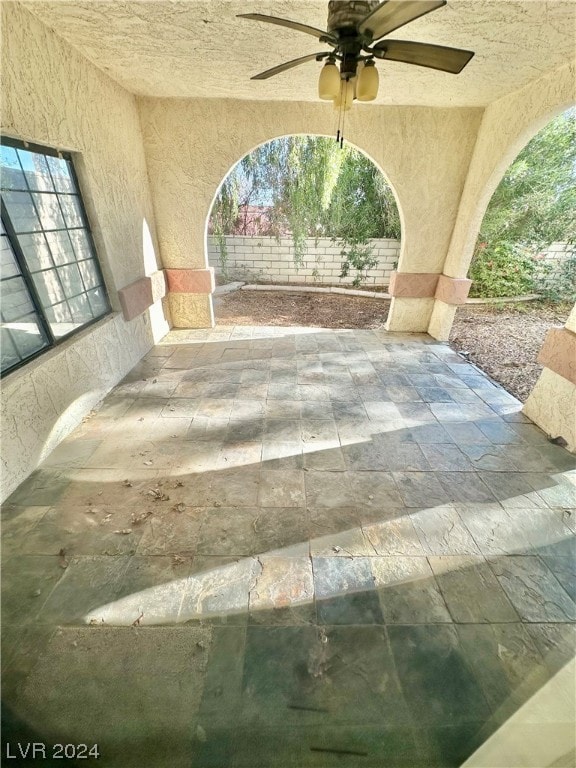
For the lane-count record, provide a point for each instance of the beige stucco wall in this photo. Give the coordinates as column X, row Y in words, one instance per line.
column 507, row 126
column 191, row 145
column 552, row 402
column 53, row 96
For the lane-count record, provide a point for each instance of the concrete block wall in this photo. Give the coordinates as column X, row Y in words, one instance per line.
column 556, row 254
column 267, row 260
column 551, row 267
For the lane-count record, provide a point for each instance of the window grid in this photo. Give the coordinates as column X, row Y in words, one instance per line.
column 88, row 289
column 44, row 332
column 55, row 267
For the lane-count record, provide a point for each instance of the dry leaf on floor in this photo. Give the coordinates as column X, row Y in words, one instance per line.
column 127, row 483
column 157, row 494
column 177, row 560
column 180, row 507
column 139, row 518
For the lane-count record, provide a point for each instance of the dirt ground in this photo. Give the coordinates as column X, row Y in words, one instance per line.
column 319, row 310
column 503, row 340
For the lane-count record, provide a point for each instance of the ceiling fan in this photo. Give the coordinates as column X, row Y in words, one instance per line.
column 355, row 32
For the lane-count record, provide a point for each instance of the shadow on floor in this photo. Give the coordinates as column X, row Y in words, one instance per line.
column 320, row 549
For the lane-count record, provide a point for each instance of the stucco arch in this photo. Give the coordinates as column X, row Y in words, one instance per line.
column 286, row 135
column 507, row 126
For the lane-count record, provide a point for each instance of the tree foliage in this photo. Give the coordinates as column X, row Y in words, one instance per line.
column 533, row 206
column 311, row 187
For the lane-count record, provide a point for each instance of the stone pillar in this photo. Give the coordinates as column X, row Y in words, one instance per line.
column 552, row 402
column 189, row 294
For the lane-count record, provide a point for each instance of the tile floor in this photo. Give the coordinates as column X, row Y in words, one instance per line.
column 289, row 547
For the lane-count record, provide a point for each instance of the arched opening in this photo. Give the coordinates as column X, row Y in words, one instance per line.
column 301, row 212
column 523, row 268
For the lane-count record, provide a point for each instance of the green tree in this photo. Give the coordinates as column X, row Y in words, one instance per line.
column 533, row 206
column 312, row 188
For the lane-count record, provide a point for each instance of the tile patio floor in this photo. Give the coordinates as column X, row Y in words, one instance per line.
column 289, row 547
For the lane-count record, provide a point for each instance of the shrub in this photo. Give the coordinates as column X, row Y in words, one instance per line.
column 358, row 256
column 499, row 270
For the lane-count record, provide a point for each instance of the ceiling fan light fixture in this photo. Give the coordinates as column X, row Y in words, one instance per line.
column 348, row 94
column 329, row 81
column 356, row 32
column 345, row 96
column 368, row 81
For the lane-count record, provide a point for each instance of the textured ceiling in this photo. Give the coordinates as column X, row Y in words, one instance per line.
column 200, row 49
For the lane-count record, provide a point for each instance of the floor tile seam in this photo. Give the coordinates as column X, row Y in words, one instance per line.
column 437, row 585
column 471, row 534
column 411, row 716
column 472, row 673
column 117, row 581
column 313, row 571
column 557, row 580
column 487, row 622
column 493, row 564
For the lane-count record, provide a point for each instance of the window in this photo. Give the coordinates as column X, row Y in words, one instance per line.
column 51, row 285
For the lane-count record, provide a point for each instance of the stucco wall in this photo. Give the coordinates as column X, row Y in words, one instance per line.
column 53, row 96
column 269, row 260
column 191, row 145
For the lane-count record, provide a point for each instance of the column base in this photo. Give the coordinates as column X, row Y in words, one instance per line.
column 191, row 310
column 441, row 320
column 409, row 315
column 552, row 406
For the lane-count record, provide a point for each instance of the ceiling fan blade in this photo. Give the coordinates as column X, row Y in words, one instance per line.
column 288, row 65
column 393, row 14
column 424, row 55
column 287, row 23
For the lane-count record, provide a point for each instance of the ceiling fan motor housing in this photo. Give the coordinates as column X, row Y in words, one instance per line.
column 347, row 13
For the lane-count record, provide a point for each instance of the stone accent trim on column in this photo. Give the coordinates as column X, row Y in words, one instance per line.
column 136, row 298
column 413, row 285
column 453, row 290
column 159, row 287
column 558, row 353
column 190, row 280
column 141, row 294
